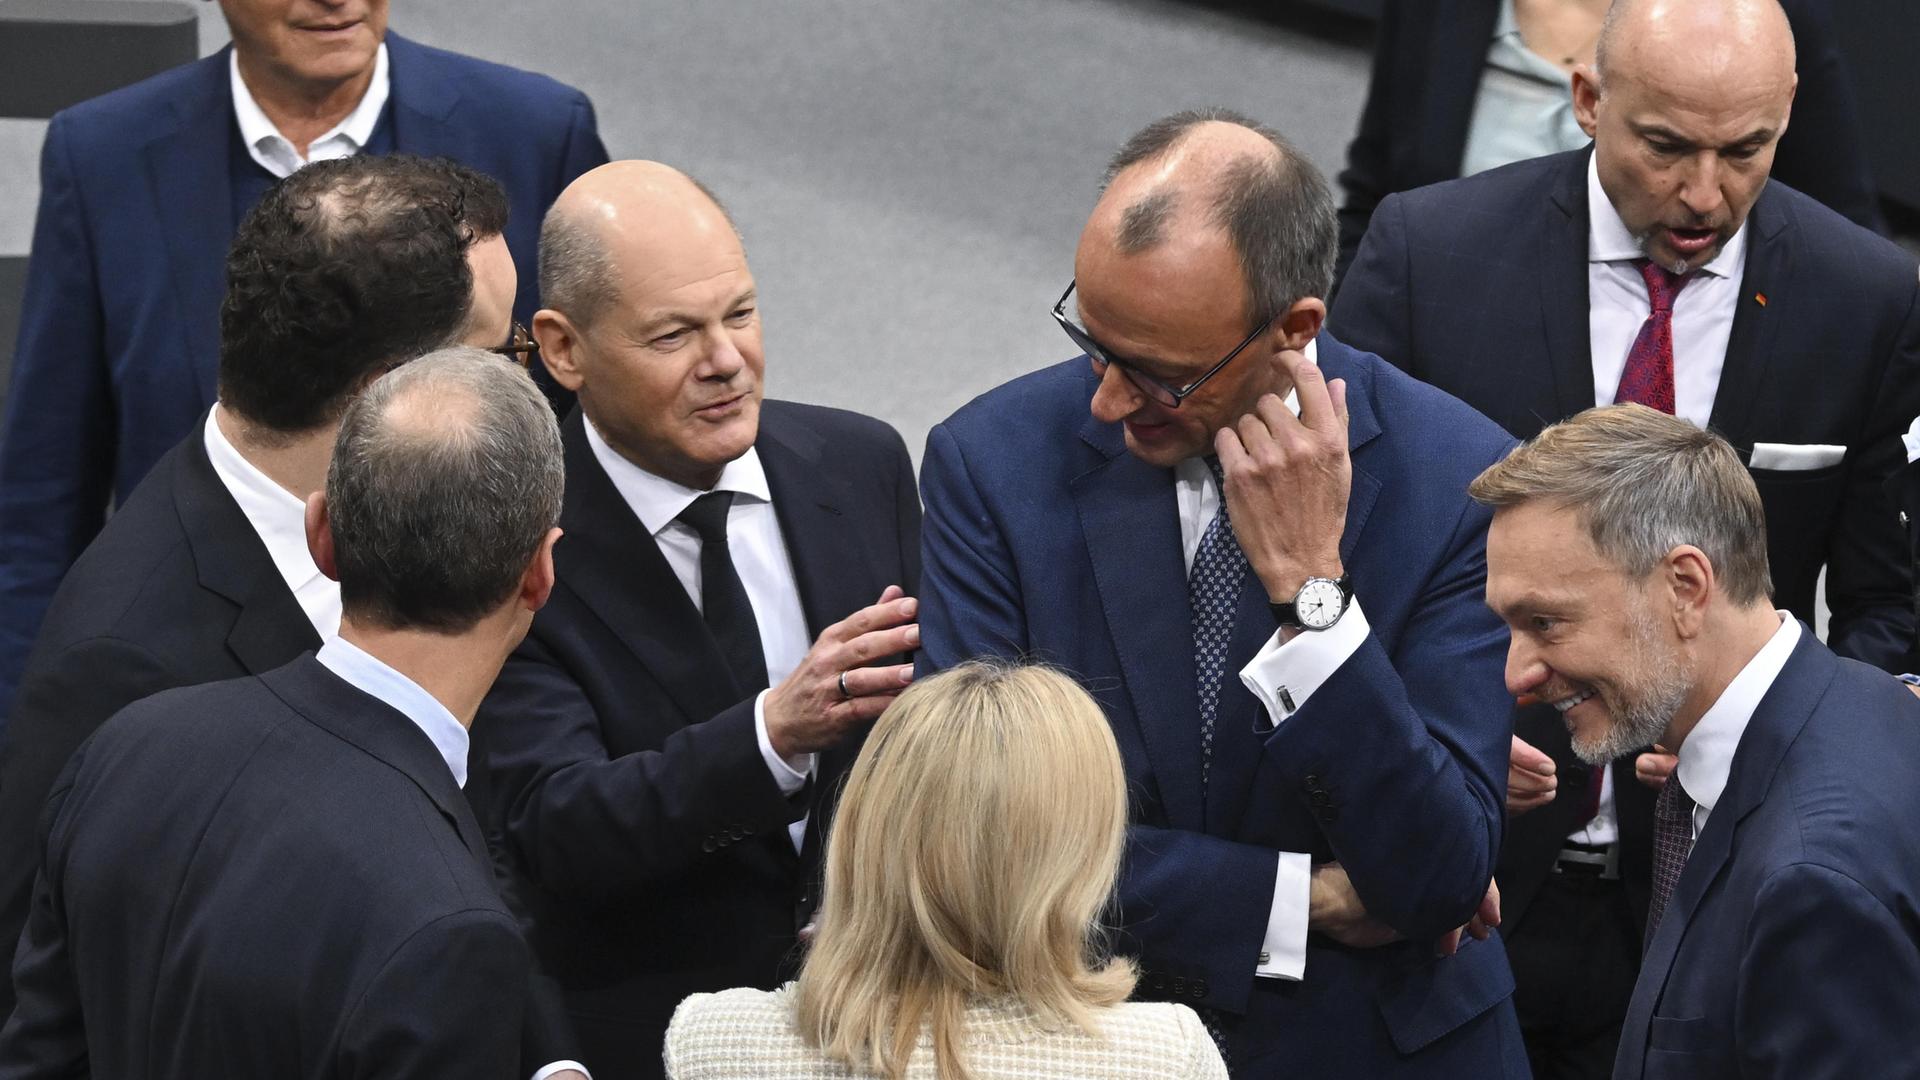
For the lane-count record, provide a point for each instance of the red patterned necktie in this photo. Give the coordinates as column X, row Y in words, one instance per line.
column 1648, row 378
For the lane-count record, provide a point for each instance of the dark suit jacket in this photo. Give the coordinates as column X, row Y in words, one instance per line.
column 177, row 590
column 271, row 876
column 1791, row 947
column 1479, row 286
column 1904, row 488
column 119, row 329
column 1428, row 59
column 1045, row 538
column 647, row 840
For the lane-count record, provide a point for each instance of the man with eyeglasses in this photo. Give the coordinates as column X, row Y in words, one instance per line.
column 340, row 273
column 1307, row 838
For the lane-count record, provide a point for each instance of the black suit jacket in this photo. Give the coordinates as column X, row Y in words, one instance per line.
column 647, row 840
column 1429, row 56
column 1479, row 286
column 270, row 876
column 177, row 590
column 1904, row 488
column 1791, row 946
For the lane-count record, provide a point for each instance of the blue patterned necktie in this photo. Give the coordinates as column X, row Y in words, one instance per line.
column 1213, row 593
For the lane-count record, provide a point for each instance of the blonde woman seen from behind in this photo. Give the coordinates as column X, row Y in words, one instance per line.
column 976, row 846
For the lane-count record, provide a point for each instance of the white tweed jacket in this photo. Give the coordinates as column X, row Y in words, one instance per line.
column 751, row 1033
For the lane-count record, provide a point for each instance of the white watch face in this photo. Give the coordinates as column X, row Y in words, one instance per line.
column 1319, row 604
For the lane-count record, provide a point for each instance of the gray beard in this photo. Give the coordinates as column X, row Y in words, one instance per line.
column 1660, row 686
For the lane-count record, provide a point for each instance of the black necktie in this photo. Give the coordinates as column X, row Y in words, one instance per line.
column 723, row 599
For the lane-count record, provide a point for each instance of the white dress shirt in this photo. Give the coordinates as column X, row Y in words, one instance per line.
column 374, row 677
column 277, row 155
column 1618, row 306
column 279, row 518
column 1912, row 439
column 760, row 557
column 1706, row 757
column 1293, row 670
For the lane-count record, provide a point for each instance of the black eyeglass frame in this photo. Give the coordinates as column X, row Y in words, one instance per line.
column 520, row 346
column 1152, row 387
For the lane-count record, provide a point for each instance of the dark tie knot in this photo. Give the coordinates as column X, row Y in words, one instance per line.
column 708, row 516
column 1663, row 285
column 1212, row 461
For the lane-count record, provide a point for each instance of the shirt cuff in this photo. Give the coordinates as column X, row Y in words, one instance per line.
column 790, row 773
column 1284, row 674
column 562, row 1066
column 1283, row 953
column 1912, row 440
column 1910, row 680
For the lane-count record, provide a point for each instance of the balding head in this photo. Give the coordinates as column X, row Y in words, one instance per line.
column 651, row 317
column 1686, row 108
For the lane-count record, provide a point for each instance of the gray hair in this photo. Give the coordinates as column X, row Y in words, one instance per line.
column 446, row 477
column 1643, row 483
column 1276, row 210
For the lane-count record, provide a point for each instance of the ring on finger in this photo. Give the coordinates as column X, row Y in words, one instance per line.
column 845, row 694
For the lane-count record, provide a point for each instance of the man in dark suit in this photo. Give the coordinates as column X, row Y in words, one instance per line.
column 1661, row 266
column 140, row 193
column 1626, row 558
column 1302, row 834
column 342, row 272
column 277, row 875
column 665, row 744
column 1434, row 60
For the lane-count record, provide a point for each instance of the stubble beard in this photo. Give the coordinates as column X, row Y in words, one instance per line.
column 1642, row 705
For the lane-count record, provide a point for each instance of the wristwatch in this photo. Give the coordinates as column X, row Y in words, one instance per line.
column 1318, row 605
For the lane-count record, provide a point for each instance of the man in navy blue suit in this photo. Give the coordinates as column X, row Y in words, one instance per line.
column 1628, row 561
column 1305, row 833
column 140, row 193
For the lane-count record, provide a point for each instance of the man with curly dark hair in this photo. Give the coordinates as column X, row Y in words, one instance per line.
column 342, row 272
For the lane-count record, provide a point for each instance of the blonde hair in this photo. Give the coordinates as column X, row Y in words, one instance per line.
column 1643, row 482
column 977, row 843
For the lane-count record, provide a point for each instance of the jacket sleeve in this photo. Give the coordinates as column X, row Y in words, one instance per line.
column 448, row 1003
column 1870, row 585
column 57, row 442
column 971, row 604
column 1824, row 151
column 46, row 1036
column 1368, row 177
column 1371, row 311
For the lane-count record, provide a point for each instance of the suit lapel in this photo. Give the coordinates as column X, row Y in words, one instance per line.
column 1242, row 727
column 188, row 167
column 382, row 732
column 1131, row 522
column 1756, row 323
column 811, row 505
column 1776, row 722
column 423, row 97
column 270, row 628
column 608, row 560
column 1564, row 304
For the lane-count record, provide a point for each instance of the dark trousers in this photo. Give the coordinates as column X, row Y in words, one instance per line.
column 1575, row 956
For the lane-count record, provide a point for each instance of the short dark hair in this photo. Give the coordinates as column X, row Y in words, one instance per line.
column 1276, row 210
column 342, row 271
column 446, row 476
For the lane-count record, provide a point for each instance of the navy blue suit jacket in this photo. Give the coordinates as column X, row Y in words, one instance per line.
column 1045, row 538
column 271, row 876
column 1479, row 286
column 1429, row 57
column 119, row 331
column 645, row 840
column 1791, row 947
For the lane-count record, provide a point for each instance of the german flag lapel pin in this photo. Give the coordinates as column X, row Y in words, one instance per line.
column 1760, row 298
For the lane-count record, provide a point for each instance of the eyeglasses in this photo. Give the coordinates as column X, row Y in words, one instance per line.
column 520, row 346
column 1147, row 384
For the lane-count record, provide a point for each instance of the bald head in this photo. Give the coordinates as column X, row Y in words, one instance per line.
column 615, row 221
column 1214, row 177
column 1707, row 39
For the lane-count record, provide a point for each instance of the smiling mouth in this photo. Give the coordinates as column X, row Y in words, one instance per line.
column 1567, row 703
column 720, row 406
column 332, row 28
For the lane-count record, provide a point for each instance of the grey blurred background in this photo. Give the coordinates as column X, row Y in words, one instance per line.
column 910, row 175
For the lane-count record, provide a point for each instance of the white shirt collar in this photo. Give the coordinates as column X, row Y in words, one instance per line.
column 1912, row 439
column 657, row 501
column 1608, row 239
column 276, row 514
column 272, row 150
column 371, row 675
column 1706, row 757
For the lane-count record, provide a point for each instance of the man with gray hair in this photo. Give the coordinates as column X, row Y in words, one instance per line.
column 1628, row 559
column 279, row 873
column 1217, row 487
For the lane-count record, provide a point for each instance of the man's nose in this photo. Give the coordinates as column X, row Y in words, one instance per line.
column 724, row 358
column 1525, row 670
column 1700, row 187
column 1116, row 398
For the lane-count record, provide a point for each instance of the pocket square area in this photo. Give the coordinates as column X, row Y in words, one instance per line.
column 1795, row 457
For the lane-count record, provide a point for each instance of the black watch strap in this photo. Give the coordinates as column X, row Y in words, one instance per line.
column 1285, row 614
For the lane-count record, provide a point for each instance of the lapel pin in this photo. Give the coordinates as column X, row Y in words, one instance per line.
column 1760, row 298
